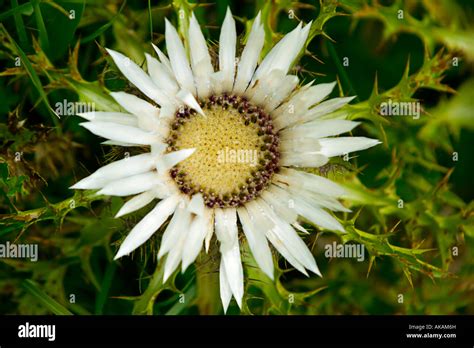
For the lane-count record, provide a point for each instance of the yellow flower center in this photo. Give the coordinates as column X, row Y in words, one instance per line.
column 236, row 150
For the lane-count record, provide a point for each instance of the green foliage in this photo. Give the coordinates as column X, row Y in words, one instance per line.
column 411, row 197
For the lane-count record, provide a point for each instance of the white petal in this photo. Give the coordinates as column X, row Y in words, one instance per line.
column 137, row 202
column 175, row 254
column 121, row 133
column 138, row 77
column 303, row 159
column 179, row 61
column 260, row 219
column 179, row 222
column 160, row 76
column 282, row 208
column 310, row 212
column 227, row 47
column 132, row 185
column 318, row 129
column 200, row 58
column 226, row 224
column 286, row 86
column 195, row 239
column 315, row 94
column 250, row 55
column 116, row 170
column 147, row 226
column 290, row 238
column 164, row 60
column 325, row 108
column 226, row 231
column 117, row 143
column 301, row 144
column 189, row 99
column 171, row 159
column 311, row 182
column 284, row 52
column 331, row 147
column 257, row 243
column 225, row 291
column 234, row 270
column 135, row 105
column 196, row 206
column 116, row 117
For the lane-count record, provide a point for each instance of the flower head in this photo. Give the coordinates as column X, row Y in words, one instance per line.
column 224, row 148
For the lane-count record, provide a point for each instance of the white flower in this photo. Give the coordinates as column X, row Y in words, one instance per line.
column 202, row 129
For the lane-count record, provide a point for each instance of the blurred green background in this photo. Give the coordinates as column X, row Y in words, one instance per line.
column 412, row 196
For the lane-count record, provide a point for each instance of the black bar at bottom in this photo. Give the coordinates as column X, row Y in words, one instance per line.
column 432, row 331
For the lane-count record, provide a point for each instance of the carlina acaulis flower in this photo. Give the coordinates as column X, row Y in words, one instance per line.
column 224, row 148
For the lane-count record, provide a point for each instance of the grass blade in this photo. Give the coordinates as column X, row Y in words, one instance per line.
column 43, row 34
column 50, row 303
column 20, row 26
column 33, row 76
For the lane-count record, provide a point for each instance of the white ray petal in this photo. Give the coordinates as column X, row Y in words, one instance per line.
column 260, row 219
column 116, row 170
column 178, row 60
column 200, row 58
column 225, row 221
column 257, row 243
column 135, row 105
column 234, row 270
column 314, row 198
column 282, row 208
column 290, row 238
column 160, row 76
column 311, row 182
column 284, row 52
column 287, row 85
column 164, row 60
column 318, row 129
column 331, row 147
column 179, row 221
column 138, row 77
column 225, row 291
column 226, row 231
column 317, row 93
column 301, row 144
column 303, row 159
column 116, row 117
column 121, row 133
column 195, row 239
column 196, row 206
column 117, row 143
column 132, row 185
column 312, row 213
column 176, row 251
column 326, row 107
column 137, row 202
column 171, row 159
column 148, row 225
column 227, row 47
column 250, row 55
column 318, row 216
column 187, row 98
column 90, row 183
